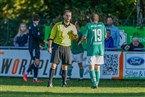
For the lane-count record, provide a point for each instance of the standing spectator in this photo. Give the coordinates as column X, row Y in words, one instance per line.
column 95, row 35
column 34, row 48
column 114, row 31
column 135, row 45
column 59, row 45
column 21, row 39
column 109, row 43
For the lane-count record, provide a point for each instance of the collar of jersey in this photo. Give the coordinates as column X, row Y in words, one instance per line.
column 34, row 24
column 66, row 25
column 95, row 22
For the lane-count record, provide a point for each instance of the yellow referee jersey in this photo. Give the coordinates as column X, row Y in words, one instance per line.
column 60, row 33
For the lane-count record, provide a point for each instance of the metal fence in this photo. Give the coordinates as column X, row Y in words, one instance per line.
column 9, row 28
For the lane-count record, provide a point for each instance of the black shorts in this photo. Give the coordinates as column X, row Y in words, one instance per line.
column 61, row 53
column 34, row 51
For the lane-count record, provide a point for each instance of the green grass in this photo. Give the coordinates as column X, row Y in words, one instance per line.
column 15, row 87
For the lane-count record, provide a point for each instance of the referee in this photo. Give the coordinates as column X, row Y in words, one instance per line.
column 59, row 45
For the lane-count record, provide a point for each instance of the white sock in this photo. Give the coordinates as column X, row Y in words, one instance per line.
column 34, row 78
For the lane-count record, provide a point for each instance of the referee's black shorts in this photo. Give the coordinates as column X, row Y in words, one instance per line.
column 61, row 53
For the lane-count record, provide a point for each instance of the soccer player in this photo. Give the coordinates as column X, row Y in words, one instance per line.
column 34, row 47
column 77, row 54
column 59, row 45
column 95, row 35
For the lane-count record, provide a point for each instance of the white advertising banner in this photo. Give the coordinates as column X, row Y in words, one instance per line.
column 15, row 63
column 111, row 65
column 134, row 65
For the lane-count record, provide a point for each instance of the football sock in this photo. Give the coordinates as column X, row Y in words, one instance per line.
column 51, row 74
column 35, row 72
column 97, row 75
column 30, row 68
column 69, row 70
column 64, row 77
column 81, row 73
column 34, row 78
column 93, row 77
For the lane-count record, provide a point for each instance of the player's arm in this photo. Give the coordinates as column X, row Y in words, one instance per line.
column 82, row 40
column 84, row 37
column 52, row 35
column 74, row 34
column 105, row 35
column 50, row 40
column 50, row 45
column 41, row 47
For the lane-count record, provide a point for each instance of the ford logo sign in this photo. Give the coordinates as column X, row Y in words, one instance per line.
column 135, row 61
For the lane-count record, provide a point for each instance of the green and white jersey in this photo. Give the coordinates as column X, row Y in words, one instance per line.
column 75, row 48
column 95, row 34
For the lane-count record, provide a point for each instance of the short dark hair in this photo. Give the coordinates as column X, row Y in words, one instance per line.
column 108, row 30
column 36, row 17
column 109, row 17
column 67, row 11
column 92, row 17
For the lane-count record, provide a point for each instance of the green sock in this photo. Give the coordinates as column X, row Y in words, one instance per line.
column 93, row 77
column 81, row 73
column 69, row 70
column 97, row 75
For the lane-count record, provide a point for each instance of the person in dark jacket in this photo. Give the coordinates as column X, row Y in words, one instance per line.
column 135, row 45
column 21, row 39
column 34, row 48
column 109, row 43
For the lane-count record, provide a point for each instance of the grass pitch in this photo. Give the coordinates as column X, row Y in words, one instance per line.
column 15, row 87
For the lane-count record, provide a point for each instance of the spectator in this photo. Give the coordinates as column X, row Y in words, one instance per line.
column 135, row 45
column 109, row 43
column 114, row 31
column 21, row 39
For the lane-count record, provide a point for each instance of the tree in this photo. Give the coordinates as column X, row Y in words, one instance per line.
column 12, row 12
column 52, row 8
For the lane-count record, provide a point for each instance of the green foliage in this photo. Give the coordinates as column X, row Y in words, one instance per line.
column 13, row 12
column 52, row 8
column 22, row 8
